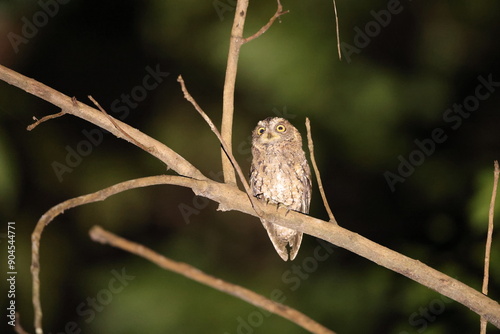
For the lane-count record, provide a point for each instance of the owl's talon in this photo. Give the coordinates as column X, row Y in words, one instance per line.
column 281, row 205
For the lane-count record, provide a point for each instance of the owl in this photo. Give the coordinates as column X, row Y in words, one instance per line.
column 280, row 174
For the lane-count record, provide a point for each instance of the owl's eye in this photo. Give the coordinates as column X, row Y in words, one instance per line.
column 261, row 131
column 281, row 128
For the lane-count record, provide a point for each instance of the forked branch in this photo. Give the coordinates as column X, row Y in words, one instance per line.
column 235, row 43
column 268, row 25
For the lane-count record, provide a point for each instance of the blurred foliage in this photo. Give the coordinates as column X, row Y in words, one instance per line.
column 367, row 111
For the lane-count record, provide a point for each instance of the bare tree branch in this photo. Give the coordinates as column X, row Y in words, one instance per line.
column 489, row 237
column 100, row 235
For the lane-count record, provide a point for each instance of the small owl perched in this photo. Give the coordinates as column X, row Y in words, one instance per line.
column 280, row 174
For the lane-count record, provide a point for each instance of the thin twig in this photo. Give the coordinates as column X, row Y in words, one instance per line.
column 489, row 237
column 337, row 28
column 18, row 328
column 225, row 147
column 98, row 234
column 268, row 25
column 111, row 119
column 316, row 171
column 43, row 119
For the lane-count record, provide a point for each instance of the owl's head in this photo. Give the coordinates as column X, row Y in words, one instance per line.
column 273, row 130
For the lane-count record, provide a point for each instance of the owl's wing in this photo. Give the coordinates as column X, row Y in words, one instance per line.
column 279, row 242
column 307, row 188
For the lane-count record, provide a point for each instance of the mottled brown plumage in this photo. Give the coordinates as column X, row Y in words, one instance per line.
column 280, row 174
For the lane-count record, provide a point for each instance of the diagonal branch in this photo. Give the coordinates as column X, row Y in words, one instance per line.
column 487, row 251
column 111, row 119
column 100, row 235
column 316, row 172
column 225, row 147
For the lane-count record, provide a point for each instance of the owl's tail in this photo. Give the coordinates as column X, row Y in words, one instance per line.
column 281, row 237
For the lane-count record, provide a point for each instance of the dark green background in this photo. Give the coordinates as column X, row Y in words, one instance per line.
column 366, row 115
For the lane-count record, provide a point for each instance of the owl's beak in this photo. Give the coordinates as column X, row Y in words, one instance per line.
column 268, row 137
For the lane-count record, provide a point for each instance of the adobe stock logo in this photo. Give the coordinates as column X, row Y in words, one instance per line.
column 453, row 116
column 40, row 19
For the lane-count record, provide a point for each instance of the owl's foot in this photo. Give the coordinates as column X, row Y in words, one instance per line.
column 279, row 206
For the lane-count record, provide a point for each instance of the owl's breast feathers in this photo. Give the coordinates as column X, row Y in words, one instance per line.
column 282, row 177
